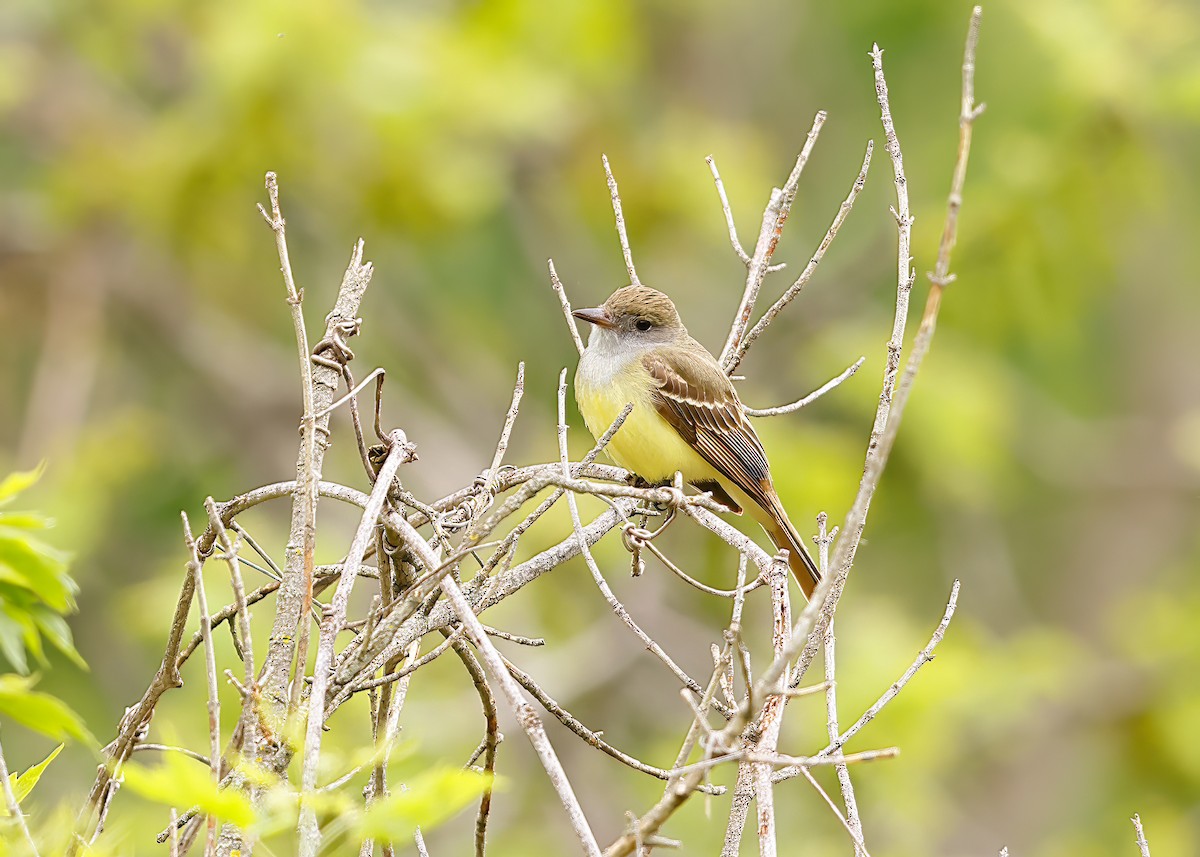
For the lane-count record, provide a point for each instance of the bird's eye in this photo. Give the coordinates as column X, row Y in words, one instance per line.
column 643, row 325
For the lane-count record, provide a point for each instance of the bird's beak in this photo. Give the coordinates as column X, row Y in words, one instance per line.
column 595, row 315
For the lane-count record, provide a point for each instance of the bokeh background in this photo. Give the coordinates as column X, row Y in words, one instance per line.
column 1050, row 457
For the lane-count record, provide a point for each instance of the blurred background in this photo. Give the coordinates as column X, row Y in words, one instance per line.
column 1050, row 457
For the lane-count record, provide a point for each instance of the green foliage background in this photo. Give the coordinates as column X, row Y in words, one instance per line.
column 1050, row 458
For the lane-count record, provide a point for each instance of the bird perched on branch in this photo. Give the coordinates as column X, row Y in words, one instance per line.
column 686, row 414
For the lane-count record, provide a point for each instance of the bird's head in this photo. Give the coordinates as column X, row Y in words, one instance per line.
column 636, row 314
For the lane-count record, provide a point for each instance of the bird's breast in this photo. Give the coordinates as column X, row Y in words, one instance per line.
column 646, row 443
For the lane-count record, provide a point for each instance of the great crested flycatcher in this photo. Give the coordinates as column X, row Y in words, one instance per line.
column 686, row 414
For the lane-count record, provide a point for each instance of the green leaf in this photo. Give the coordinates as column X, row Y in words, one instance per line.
column 40, row 568
column 55, row 629
column 24, row 521
column 15, row 483
column 40, row 712
column 24, row 783
column 12, row 640
column 180, row 781
column 430, row 799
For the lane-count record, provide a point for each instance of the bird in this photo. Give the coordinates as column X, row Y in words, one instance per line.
column 686, row 414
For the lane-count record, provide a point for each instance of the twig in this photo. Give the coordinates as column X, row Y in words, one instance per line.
column 811, row 397
column 391, row 701
column 722, row 660
column 519, row 639
column 691, row 581
column 774, row 217
column 725, row 209
column 824, row 539
column 733, row 236
column 925, row 656
column 682, row 784
column 432, row 655
column 183, row 751
column 589, row 736
column 107, row 777
column 859, row 846
column 335, row 615
column 210, row 664
column 620, row 219
column 510, row 418
column 304, row 514
column 529, row 489
column 557, row 285
column 354, row 391
column 526, row 716
column 221, row 616
column 491, row 739
column 381, row 701
column 294, row 598
column 14, row 808
column 824, row 600
column 853, row 821
column 249, row 721
column 771, row 720
column 761, row 736
column 736, row 354
column 1142, row 844
column 419, row 842
column 941, row 276
column 732, row 536
column 786, row 762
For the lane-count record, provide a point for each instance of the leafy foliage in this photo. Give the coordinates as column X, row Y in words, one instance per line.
column 40, row 712
column 427, row 801
column 23, row 784
column 180, row 781
column 35, row 589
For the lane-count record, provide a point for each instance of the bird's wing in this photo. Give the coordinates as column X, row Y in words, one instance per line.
column 700, row 403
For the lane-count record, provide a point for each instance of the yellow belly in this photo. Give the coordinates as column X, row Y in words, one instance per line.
column 646, row 443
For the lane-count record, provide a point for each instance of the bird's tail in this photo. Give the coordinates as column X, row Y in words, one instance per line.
column 784, row 535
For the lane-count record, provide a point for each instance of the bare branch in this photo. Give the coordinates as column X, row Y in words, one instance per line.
column 526, row 716
column 131, row 724
column 210, row 665
column 774, row 217
column 731, row 361
column 733, row 236
column 334, row 617
column 304, row 517
column 432, row 655
column 491, row 740
column 811, row 397
column 1142, row 844
column 589, row 736
column 566, row 306
column 941, row 276
column 817, row 614
column 853, row 821
column 510, row 419
column 354, row 391
column 620, row 219
column 859, row 847
column 924, row 657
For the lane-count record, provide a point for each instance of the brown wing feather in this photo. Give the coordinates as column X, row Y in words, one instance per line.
column 700, row 403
